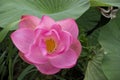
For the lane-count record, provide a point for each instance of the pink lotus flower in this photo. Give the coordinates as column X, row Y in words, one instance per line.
column 49, row 45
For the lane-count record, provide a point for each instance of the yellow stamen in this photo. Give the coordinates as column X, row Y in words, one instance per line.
column 50, row 45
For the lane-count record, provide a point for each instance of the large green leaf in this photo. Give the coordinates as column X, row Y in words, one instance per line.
column 105, row 3
column 89, row 19
column 110, row 41
column 94, row 69
column 12, row 10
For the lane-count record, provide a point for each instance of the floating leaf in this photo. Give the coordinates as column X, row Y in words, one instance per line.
column 94, row 70
column 105, row 3
column 110, row 41
column 12, row 10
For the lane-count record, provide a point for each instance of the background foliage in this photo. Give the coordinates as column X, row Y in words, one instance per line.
column 100, row 56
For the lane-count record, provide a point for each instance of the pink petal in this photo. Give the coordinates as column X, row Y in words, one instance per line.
column 47, row 69
column 62, row 38
column 57, row 30
column 70, row 26
column 76, row 46
column 24, row 58
column 47, row 22
column 65, row 41
column 64, row 60
column 28, row 21
column 22, row 38
column 36, row 55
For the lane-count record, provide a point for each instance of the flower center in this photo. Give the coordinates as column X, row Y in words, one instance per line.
column 50, row 45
